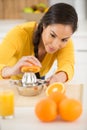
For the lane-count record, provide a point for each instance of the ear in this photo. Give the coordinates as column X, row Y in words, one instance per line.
column 44, row 27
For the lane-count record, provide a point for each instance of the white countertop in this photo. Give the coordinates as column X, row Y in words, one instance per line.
column 25, row 119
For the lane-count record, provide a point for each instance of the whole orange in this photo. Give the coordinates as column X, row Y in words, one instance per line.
column 46, row 110
column 70, row 109
column 57, row 97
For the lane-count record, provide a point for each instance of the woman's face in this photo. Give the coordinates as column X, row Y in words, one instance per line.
column 55, row 37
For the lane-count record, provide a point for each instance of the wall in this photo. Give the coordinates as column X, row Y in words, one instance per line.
column 51, row 2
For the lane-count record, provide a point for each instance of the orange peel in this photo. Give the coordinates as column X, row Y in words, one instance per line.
column 46, row 110
column 70, row 109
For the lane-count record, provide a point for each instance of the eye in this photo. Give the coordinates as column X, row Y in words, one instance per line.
column 52, row 35
column 64, row 40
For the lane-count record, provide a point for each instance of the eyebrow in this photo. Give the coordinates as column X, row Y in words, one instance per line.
column 57, row 35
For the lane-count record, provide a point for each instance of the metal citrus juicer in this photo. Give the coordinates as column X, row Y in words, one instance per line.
column 29, row 85
column 29, row 79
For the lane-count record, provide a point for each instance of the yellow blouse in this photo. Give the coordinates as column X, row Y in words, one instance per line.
column 18, row 43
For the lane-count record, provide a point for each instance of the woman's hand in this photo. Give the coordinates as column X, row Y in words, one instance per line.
column 58, row 77
column 16, row 69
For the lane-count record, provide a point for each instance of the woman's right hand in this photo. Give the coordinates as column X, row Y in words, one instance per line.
column 16, row 69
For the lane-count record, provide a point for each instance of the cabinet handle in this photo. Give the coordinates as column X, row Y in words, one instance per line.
column 81, row 50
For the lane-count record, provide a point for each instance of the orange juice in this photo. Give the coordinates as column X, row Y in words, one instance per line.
column 6, row 103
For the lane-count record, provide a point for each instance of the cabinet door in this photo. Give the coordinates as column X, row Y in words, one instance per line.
column 80, row 42
column 80, row 75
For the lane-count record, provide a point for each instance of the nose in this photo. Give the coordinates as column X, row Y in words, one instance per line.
column 56, row 44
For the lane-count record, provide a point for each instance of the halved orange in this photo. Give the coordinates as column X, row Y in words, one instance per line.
column 55, row 87
column 32, row 68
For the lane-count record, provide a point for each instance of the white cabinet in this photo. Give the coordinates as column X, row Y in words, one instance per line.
column 80, row 44
column 80, row 75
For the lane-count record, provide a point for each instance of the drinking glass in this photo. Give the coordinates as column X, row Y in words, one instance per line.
column 6, row 103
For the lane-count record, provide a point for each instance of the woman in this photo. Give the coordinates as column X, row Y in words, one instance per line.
column 41, row 44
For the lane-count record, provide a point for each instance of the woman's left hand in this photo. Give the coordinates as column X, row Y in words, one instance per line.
column 58, row 77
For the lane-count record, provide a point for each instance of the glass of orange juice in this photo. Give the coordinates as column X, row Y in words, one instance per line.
column 6, row 103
